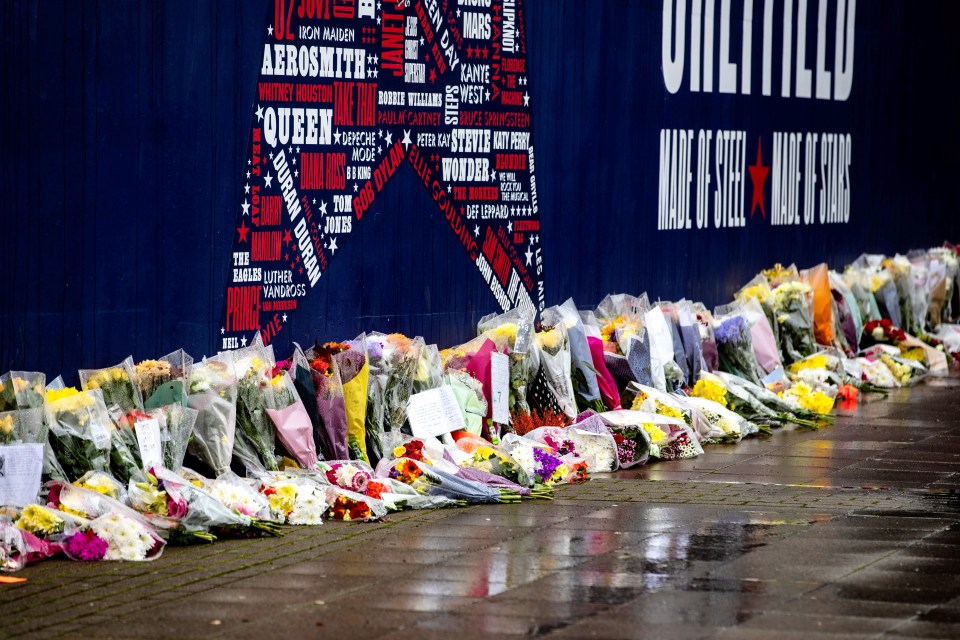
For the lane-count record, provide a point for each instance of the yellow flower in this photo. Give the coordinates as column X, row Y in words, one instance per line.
column 507, row 330
column 710, row 390
column 815, row 401
column 668, row 411
column 399, row 452
column 758, row 291
column 6, row 425
column 77, row 399
column 283, row 500
column 277, row 380
column 638, row 401
column 656, row 433
column 39, row 521
column 608, row 330
column 813, row 362
column 549, row 340
column 913, row 353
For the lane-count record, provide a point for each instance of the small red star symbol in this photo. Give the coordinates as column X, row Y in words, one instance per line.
column 485, row 51
column 433, row 75
column 286, row 237
column 242, row 230
column 758, row 175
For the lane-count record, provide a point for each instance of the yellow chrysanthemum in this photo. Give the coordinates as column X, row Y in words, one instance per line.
column 548, row 340
column 710, row 390
column 758, row 291
column 638, row 401
column 656, row 434
column 813, row 362
column 39, row 521
column 283, row 500
column 668, row 411
column 6, row 425
column 507, row 330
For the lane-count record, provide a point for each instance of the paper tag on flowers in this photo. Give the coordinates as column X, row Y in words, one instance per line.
column 20, row 469
column 500, row 387
column 100, row 435
column 148, row 438
column 434, row 413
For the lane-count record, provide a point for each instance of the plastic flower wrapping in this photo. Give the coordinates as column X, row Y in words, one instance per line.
column 118, row 384
column 322, row 435
column 213, row 394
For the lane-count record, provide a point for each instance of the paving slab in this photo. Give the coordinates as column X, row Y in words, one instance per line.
column 851, row 531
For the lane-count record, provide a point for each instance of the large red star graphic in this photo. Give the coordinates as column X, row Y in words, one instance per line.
column 758, row 175
column 243, row 229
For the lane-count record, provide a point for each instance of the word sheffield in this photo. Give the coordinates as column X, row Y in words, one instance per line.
column 823, row 70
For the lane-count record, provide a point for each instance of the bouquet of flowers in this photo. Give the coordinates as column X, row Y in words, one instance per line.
column 586, row 390
column 48, row 524
column 207, row 513
column 213, row 394
column 114, row 536
column 428, row 480
column 351, row 506
column 378, row 378
column 470, row 399
column 358, row 477
column 482, row 455
column 291, row 420
column 125, row 461
column 735, row 345
column 554, row 356
column 80, row 430
column 103, row 483
column 733, row 426
column 524, row 423
column 650, row 400
column 19, row 547
column 21, row 407
column 712, row 387
column 666, row 438
column 239, row 495
column 784, row 410
column 875, row 375
column 402, row 355
column 168, row 376
column 708, row 342
column 331, row 403
column 118, row 384
column 354, row 372
column 115, row 531
column 791, row 304
column 588, row 440
column 540, row 462
column 255, row 373
column 296, row 498
column 515, row 328
column 164, row 507
column 176, row 430
column 804, row 396
column 429, row 373
column 22, row 390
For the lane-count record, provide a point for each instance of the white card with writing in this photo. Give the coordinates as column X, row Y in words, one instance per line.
column 434, row 412
column 500, row 387
column 20, row 469
column 148, row 438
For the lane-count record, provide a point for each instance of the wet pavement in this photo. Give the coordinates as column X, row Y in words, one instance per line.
column 852, row 531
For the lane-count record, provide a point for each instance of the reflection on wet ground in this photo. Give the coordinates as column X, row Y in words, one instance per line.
column 852, row 531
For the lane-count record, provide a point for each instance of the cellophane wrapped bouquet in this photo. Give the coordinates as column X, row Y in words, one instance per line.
column 117, row 383
column 213, row 394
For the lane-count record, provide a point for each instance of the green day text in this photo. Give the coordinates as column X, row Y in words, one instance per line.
column 721, row 178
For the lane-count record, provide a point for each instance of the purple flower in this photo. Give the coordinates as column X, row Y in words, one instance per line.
column 731, row 330
column 544, row 464
column 86, row 546
column 626, row 450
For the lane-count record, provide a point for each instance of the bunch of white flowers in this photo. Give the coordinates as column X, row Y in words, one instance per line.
column 126, row 539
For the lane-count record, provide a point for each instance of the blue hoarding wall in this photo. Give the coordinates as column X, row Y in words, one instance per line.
column 127, row 128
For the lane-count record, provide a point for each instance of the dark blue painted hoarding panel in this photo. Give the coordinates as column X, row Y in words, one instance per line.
column 127, row 127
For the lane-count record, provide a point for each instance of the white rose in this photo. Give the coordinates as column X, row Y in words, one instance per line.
column 878, row 333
